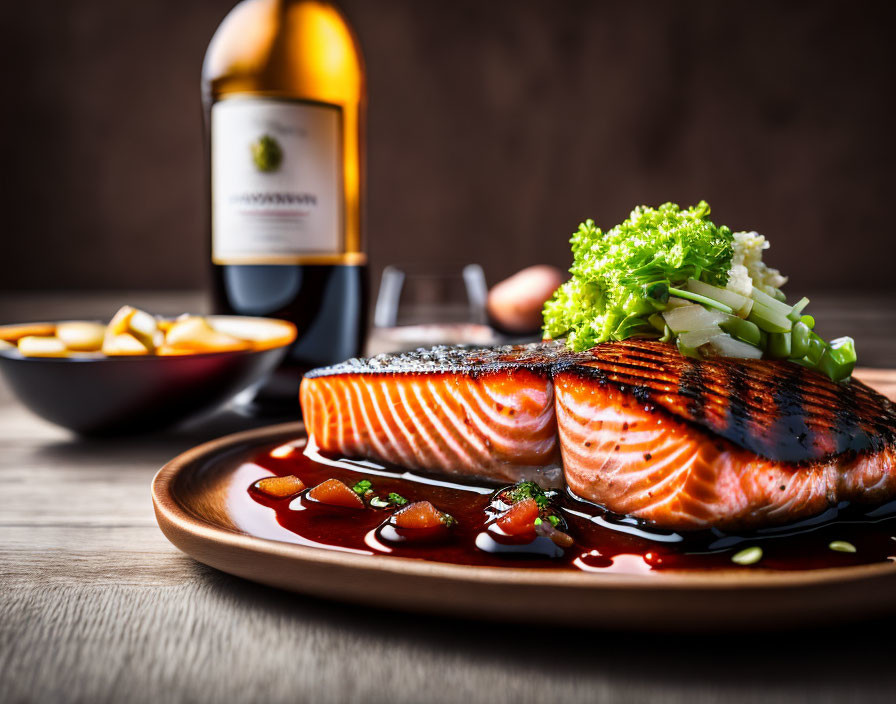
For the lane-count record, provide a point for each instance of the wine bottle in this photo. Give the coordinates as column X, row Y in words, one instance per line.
column 284, row 95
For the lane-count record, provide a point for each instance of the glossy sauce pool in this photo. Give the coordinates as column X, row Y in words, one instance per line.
column 603, row 541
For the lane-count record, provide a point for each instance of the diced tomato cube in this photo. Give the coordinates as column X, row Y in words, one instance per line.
column 336, row 493
column 519, row 518
column 419, row 515
column 280, row 487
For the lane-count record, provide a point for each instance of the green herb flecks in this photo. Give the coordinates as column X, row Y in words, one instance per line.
column 528, row 490
column 617, row 275
column 549, row 521
column 362, row 487
column 397, row 499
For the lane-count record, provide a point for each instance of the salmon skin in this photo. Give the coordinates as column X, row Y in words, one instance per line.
column 677, row 442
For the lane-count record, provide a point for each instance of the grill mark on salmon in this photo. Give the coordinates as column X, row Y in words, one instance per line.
column 679, row 442
column 790, row 401
column 748, row 416
column 688, row 387
column 675, row 474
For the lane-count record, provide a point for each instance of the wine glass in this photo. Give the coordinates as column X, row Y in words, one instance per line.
column 416, row 307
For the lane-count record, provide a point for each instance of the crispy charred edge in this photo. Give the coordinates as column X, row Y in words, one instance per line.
column 766, row 411
column 884, row 423
column 790, row 421
column 691, row 388
column 644, row 395
column 537, row 357
column 542, row 373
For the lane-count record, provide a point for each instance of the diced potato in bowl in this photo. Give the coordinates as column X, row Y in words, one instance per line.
column 138, row 372
column 133, row 332
column 194, row 334
column 79, row 336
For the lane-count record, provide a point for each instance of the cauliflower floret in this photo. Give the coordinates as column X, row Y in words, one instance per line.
column 739, row 280
column 747, row 269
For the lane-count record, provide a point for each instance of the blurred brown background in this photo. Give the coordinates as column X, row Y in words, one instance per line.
column 494, row 127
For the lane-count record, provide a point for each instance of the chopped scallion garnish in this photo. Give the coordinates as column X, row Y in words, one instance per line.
column 747, row 556
column 769, row 319
column 838, row 359
column 841, row 546
column 797, row 309
column 703, row 300
column 778, row 345
column 362, row 487
column 799, row 340
column 743, row 330
column 770, row 302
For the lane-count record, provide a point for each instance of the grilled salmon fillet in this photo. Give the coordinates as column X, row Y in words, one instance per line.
column 680, row 443
column 487, row 414
column 725, row 443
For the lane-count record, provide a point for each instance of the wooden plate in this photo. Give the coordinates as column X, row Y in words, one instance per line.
column 203, row 508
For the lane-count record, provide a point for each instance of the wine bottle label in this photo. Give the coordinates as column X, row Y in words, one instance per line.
column 276, row 172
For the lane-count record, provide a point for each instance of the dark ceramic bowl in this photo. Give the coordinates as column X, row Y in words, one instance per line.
column 99, row 395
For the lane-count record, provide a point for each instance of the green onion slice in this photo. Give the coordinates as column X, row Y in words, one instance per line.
column 703, row 300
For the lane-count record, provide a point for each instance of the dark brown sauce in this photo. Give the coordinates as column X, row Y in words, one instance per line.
column 603, row 541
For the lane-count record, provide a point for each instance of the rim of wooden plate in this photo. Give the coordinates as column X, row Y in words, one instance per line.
column 704, row 600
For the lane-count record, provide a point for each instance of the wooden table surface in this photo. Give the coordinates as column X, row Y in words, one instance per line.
column 95, row 604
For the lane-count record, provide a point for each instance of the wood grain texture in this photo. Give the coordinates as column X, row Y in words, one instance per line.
column 96, row 606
